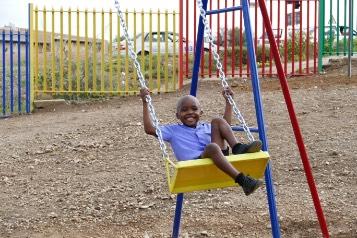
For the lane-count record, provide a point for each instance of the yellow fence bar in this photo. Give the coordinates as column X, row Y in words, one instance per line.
column 69, row 43
column 32, row 84
column 36, row 50
column 44, row 51
column 61, row 50
column 119, row 69
column 86, row 87
column 110, row 52
column 66, row 61
column 166, row 52
column 78, row 61
column 142, row 41
column 94, row 53
column 151, row 86
column 53, row 71
column 133, row 79
column 102, row 56
column 174, row 50
column 158, row 52
column 126, row 54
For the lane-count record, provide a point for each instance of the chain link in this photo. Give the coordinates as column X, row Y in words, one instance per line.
column 148, row 99
column 222, row 76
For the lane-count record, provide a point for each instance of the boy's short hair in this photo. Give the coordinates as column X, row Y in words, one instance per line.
column 180, row 101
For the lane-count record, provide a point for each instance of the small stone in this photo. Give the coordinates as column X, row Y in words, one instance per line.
column 52, row 215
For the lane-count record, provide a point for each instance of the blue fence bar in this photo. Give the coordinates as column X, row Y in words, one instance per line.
column 15, row 72
column 27, row 40
column 3, row 75
column 19, row 72
column 11, row 73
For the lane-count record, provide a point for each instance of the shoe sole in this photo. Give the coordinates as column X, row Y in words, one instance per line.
column 258, row 185
column 255, row 146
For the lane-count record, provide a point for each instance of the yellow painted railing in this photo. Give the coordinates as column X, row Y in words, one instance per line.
column 83, row 52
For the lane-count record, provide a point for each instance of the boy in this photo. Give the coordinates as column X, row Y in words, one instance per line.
column 194, row 140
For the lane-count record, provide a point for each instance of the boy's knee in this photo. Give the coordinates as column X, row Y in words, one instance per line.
column 217, row 121
column 212, row 148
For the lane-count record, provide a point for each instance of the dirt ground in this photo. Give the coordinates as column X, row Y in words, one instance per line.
column 88, row 170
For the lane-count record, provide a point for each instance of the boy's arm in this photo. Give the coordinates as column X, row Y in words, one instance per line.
column 148, row 125
column 228, row 113
column 228, row 108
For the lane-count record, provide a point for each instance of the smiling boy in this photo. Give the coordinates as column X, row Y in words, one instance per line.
column 192, row 139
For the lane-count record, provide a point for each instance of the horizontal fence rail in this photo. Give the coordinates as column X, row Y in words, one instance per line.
column 83, row 52
column 15, row 79
column 295, row 25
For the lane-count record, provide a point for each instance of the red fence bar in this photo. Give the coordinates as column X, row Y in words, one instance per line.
column 300, row 40
column 270, row 55
column 180, row 66
column 233, row 56
column 308, row 38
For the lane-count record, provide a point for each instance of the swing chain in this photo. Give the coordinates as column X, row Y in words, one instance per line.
column 139, row 73
column 222, row 76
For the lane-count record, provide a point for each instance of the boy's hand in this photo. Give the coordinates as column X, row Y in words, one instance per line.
column 227, row 91
column 143, row 93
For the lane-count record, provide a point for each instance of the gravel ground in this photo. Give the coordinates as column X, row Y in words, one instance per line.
column 88, row 170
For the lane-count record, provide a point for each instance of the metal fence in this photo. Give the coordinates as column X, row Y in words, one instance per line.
column 335, row 27
column 82, row 52
column 294, row 23
column 15, row 80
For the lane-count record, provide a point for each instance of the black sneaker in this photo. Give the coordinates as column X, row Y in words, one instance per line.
column 252, row 147
column 248, row 184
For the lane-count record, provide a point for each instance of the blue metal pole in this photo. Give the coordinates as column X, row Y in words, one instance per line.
column 196, row 66
column 11, row 73
column 176, row 228
column 27, row 60
column 260, row 118
column 19, row 72
column 3, row 75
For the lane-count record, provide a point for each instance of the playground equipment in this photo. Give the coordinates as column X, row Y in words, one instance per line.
column 180, row 183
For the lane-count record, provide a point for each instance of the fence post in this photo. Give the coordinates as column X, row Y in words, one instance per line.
column 32, row 95
column 321, row 32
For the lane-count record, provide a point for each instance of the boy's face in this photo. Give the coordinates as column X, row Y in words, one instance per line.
column 189, row 111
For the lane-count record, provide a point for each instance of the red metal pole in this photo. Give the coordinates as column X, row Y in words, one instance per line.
column 294, row 122
column 180, row 66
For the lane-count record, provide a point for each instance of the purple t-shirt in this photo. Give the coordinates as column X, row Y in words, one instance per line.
column 186, row 142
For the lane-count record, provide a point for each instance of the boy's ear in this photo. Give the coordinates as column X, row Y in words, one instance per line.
column 201, row 112
column 177, row 115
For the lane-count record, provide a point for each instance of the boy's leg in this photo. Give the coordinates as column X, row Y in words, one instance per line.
column 222, row 131
column 214, row 152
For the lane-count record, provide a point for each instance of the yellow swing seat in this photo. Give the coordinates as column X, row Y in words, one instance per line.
column 202, row 174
